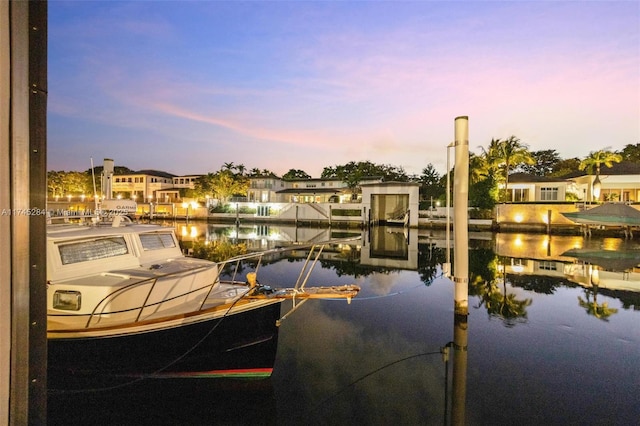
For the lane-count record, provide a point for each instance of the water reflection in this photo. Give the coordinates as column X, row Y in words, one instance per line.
column 552, row 338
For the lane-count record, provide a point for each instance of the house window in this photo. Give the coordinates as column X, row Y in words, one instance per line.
column 548, row 266
column 520, row 194
column 549, row 194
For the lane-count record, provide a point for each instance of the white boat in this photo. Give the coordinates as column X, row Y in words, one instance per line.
column 124, row 303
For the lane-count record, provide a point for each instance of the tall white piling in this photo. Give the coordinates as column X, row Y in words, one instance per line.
column 460, row 216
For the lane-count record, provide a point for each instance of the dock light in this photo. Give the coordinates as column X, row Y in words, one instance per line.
column 518, row 217
column 67, row 300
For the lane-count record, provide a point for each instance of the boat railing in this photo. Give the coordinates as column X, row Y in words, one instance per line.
column 100, row 311
column 103, row 315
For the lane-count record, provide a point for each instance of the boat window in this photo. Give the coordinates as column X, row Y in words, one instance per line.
column 157, row 241
column 92, row 250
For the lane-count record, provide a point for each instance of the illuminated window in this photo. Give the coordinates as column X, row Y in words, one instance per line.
column 520, row 194
column 549, row 194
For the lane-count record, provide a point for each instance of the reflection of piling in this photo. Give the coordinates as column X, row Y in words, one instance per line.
column 459, row 382
column 460, row 216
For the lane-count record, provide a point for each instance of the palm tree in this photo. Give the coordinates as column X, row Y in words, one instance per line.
column 594, row 160
column 510, row 153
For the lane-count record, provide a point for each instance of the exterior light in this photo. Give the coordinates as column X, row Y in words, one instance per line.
column 518, row 217
column 597, row 186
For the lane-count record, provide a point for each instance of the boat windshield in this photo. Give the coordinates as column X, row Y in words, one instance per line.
column 92, row 250
column 157, row 241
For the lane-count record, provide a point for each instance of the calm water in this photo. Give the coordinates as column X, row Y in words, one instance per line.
column 551, row 339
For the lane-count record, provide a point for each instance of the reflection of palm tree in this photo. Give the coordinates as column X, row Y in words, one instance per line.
column 601, row 311
column 503, row 305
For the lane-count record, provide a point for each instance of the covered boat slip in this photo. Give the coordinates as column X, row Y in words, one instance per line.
column 609, row 215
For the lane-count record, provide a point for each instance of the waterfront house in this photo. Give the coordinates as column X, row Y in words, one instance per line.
column 621, row 182
column 143, row 185
column 273, row 189
column 524, row 187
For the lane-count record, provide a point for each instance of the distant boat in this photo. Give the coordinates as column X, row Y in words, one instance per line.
column 609, row 214
column 124, row 303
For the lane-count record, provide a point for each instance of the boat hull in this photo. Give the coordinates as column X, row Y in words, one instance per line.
column 245, row 341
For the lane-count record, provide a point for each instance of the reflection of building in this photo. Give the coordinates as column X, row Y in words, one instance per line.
column 541, row 255
column 392, row 248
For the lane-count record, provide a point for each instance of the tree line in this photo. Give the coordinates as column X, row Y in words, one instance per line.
column 488, row 171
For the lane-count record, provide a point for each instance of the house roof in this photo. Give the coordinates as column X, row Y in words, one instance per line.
column 521, row 177
column 154, row 173
column 621, row 168
column 310, row 191
column 617, row 169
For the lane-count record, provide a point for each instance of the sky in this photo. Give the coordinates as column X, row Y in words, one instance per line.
column 186, row 87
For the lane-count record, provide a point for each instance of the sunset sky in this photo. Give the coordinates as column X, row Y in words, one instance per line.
column 184, row 87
